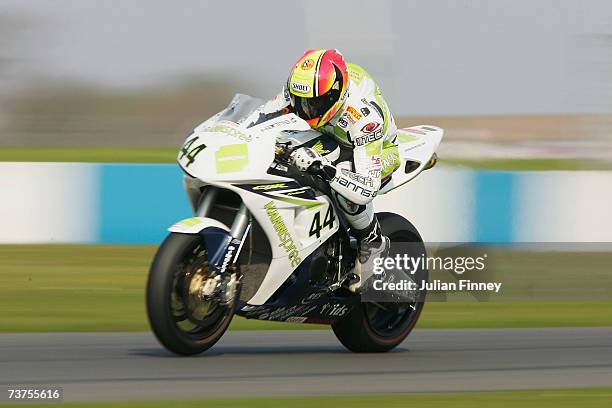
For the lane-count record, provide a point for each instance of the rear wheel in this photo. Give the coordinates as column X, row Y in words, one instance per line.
column 183, row 320
column 379, row 327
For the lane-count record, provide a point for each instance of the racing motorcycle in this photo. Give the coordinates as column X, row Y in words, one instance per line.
column 268, row 242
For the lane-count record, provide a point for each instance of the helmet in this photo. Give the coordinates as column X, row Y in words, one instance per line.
column 318, row 86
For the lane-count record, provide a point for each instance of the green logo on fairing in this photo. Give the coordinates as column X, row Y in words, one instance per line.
column 232, row 158
column 318, row 147
column 286, row 242
column 190, row 222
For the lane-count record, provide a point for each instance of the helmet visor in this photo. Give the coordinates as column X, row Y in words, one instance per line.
column 313, row 108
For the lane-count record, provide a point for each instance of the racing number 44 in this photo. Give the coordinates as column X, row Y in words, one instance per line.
column 187, row 151
column 328, row 222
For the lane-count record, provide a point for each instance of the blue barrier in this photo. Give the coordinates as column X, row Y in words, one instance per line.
column 135, row 204
column 493, row 206
column 139, row 202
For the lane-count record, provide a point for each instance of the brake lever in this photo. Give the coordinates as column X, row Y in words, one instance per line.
column 283, row 151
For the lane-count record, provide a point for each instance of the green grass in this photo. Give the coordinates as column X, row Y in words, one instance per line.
column 90, row 154
column 50, row 288
column 168, row 155
column 563, row 398
column 529, row 164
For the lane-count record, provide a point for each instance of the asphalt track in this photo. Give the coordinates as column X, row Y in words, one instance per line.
column 124, row 366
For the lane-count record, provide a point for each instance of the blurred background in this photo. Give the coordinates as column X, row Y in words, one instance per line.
column 97, row 96
column 506, row 79
column 517, row 86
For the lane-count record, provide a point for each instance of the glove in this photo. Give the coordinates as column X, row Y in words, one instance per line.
column 304, row 157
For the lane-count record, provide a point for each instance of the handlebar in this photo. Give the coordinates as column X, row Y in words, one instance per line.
column 283, row 152
column 313, row 177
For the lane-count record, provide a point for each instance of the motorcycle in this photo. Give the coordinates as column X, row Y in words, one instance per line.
column 268, row 242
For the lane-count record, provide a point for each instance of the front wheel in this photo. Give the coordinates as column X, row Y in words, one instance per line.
column 379, row 327
column 183, row 320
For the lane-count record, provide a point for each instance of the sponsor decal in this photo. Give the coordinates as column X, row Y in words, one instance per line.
column 296, row 319
column 228, row 258
column 365, row 111
column 284, row 312
column 406, row 149
column 318, row 147
column 344, row 181
column 366, row 181
column 374, row 173
column 391, row 160
column 232, row 158
column 343, row 123
column 370, row 127
column 307, row 64
column 428, row 128
column 313, row 297
column 299, row 191
column 300, row 87
column 270, row 186
column 368, row 138
column 281, row 313
column 286, row 241
column 353, row 112
column 230, row 131
column 375, row 160
column 334, row 309
column 271, row 126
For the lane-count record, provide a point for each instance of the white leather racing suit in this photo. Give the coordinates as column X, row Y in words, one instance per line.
column 365, row 127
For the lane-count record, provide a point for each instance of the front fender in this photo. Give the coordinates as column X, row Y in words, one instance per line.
column 215, row 234
column 195, row 225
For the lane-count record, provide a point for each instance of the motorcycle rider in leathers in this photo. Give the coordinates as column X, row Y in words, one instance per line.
column 342, row 100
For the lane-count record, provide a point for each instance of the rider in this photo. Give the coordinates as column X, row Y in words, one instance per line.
column 342, row 100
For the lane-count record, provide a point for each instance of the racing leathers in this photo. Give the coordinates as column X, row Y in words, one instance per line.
column 365, row 130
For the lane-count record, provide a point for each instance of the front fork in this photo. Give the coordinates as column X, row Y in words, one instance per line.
column 242, row 220
column 224, row 259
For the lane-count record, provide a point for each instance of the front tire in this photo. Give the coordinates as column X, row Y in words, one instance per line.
column 380, row 327
column 180, row 320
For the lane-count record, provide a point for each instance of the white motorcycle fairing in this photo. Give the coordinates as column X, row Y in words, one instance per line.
column 231, row 157
column 195, row 225
column 416, row 145
column 228, row 155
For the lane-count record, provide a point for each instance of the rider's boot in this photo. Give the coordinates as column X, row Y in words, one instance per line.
column 373, row 246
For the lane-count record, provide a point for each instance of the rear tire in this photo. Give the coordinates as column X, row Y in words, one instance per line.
column 168, row 303
column 361, row 330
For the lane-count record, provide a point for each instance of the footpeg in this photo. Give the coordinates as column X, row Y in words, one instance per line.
column 347, row 280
